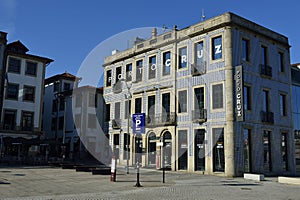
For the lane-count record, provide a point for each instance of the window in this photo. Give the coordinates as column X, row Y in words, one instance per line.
column 126, row 146
column 182, row 57
column 53, row 124
column 31, row 68
column 247, row 98
column 12, row 91
column 78, row 100
column 67, row 86
column 9, row 120
column 217, row 48
column 61, row 123
column 118, row 74
column 218, row 150
column 139, row 70
column 182, row 145
column 267, row 151
column 92, row 120
column 182, row 101
column 54, row 105
column 56, row 86
column 265, row 100
column 28, row 93
column 217, row 96
column 92, row 100
column 264, row 60
column 199, row 149
column 152, row 67
column 166, row 103
column 282, row 103
column 107, row 112
column 78, row 120
column 129, row 72
column 14, row 65
column 151, row 106
column 199, row 98
column 199, row 58
column 117, row 110
column 166, row 63
column 127, row 109
column 27, row 121
column 245, row 50
column 138, row 105
column 62, row 104
column 108, row 78
column 281, row 61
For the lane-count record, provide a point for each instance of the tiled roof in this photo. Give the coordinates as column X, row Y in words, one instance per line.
column 64, row 76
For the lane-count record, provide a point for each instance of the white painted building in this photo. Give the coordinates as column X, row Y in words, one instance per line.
column 22, row 89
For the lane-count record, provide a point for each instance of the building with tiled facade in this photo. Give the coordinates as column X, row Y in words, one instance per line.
column 216, row 97
column 295, row 71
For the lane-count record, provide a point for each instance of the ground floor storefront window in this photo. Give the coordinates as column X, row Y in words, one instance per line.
column 199, row 149
column 218, row 150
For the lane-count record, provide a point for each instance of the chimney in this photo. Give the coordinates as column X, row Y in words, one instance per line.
column 114, row 52
column 154, row 32
column 3, row 39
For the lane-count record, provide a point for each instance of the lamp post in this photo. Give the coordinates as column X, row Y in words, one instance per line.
column 128, row 97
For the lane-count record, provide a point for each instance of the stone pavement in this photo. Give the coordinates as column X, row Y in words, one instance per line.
column 56, row 183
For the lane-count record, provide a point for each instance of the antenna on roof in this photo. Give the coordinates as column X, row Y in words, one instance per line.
column 203, row 15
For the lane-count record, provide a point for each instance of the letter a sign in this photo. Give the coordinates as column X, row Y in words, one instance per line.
column 138, row 123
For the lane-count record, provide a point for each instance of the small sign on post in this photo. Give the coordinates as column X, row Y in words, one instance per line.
column 113, row 169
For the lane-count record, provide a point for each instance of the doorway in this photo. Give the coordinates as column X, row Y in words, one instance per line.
column 167, row 149
column 151, row 149
column 199, row 150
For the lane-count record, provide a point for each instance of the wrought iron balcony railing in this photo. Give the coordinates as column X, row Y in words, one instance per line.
column 199, row 115
column 164, row 119
column 267, row 117
column 198, row 69
column 266, row 70
column 117, row 87
column 116, row 123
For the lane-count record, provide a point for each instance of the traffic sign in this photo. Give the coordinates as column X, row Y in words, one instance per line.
column 138, row 123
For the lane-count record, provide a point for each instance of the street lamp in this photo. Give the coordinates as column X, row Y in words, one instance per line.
column 128, row 97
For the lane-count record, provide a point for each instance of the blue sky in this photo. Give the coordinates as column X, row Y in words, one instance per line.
column 67, row 30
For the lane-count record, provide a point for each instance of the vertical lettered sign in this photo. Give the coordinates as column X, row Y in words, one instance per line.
column 239, row 93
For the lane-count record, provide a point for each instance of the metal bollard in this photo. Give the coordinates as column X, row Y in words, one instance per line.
column 138, row 175
column 113, row 169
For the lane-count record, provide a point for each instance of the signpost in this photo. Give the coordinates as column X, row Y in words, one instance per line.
column 138, row 127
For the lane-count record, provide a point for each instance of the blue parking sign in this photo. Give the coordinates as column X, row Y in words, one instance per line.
column 138, row 123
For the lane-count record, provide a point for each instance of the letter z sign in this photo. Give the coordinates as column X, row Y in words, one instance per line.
column 138, row 123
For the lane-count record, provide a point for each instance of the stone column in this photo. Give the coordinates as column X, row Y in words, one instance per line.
column 229, row 92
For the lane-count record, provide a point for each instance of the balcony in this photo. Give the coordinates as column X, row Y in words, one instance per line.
column 117, row 87
column 116, row 123
column 165, row 119
column 266, row 70
column 267, row 117
column 198, row 69
column 199, row 115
